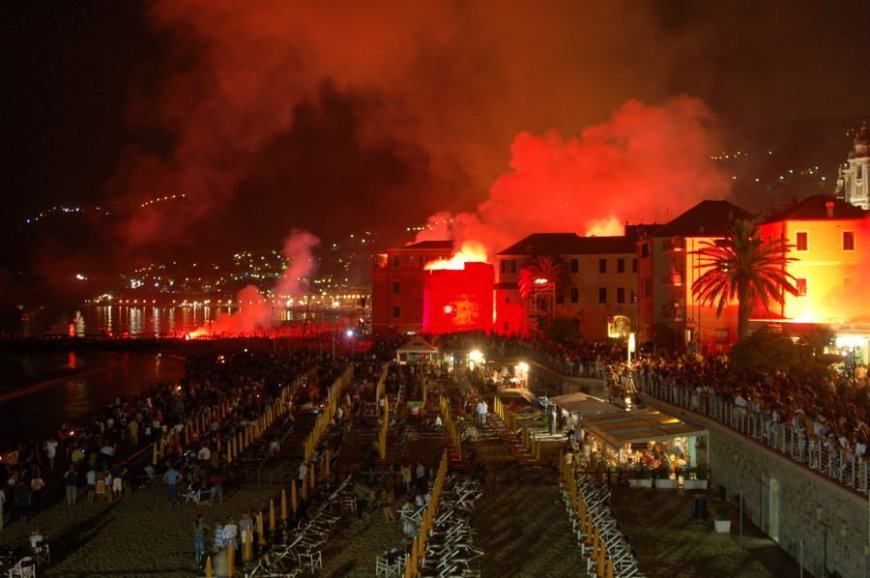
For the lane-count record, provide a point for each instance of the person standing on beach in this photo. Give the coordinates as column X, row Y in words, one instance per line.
column 37, row 485
column 50, row 451
column 171, row 478
column 71, row 480
column 217, row 487
column 231, row 534
column 91, row 481
column 201, row 528
column 133, row 432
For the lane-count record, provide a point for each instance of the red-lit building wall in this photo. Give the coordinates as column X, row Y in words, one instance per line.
column 458, row 300
column 397, row 285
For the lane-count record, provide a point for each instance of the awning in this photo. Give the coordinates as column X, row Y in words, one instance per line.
column 585, row 405
column 416, row 348
column 640, row 426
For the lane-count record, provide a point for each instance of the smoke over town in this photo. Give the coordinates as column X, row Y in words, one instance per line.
column 646, row 164
column 444, row 101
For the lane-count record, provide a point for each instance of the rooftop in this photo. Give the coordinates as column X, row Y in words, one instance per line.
column 569, row 244
column 816, row 208
column 706, row 219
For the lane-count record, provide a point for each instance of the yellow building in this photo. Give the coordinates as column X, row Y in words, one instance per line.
column 583, row 284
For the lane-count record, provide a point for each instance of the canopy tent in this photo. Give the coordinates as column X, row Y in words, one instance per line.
column 640, row 426
column 416, row 349
column 585, row 405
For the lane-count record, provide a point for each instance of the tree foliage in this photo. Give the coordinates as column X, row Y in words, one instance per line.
column 744, row 267
column 766, row 351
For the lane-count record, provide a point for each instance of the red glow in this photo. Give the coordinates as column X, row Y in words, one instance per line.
column 646, row 164
column 470, row 252
column 458, row 300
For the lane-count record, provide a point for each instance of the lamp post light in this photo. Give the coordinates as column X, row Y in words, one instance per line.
column 475, row 357
column 523, row 368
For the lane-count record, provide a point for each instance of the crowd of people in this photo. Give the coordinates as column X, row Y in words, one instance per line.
column 99, row 456
column 825, row 407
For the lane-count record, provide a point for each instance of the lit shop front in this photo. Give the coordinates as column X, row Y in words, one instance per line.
column 852, row 341
column 647, row 444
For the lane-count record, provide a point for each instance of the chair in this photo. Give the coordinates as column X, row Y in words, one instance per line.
column 311, row 558
column 190, row 496
column 203, row 498
column 42, row 554
column 26, row 568
column 390, row 566
column 348, row 504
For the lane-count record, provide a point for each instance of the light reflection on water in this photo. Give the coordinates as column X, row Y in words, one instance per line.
column 58, row 394
column 145, row 320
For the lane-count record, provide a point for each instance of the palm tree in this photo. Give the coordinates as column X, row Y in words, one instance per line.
column 544, row 276
column 744, row 266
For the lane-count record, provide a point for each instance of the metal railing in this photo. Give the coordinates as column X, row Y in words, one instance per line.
column 820, row 454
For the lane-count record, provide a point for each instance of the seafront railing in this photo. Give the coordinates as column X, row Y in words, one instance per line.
column 821, row 454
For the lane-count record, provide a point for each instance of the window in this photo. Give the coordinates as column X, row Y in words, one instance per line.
column 575, row 265
column 602, row 265
column 644, row 250
column 620, row 295
column 633, row 296
column 396, row 287
column 602, row 295
column 502, row 266
column 647, row 287
column 396, row 260
column 620, row 265
column 508, row 266
column 848, row 241
column 396, row 311
column 634, row 264
column 575, row 295
column 801, row 285
column 802, row 241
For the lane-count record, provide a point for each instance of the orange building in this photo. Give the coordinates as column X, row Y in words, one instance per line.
column 398, row 278
column 668, row 313
column 829, row 240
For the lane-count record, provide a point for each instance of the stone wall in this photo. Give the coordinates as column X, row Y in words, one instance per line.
column 831, row 521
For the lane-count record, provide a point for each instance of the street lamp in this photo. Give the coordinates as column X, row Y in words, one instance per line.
column 523, row 369
column 475, row 356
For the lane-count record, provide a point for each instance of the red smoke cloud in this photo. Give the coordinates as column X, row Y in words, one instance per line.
column 457, row 80
column 647, row 164
column 253, row 64
column 256, row 310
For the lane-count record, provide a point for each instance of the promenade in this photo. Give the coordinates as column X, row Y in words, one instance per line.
column 520, row 522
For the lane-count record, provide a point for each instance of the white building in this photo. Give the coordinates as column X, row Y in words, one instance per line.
column 852, row 184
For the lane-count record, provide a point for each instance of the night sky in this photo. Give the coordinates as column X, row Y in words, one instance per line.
column 340, row 117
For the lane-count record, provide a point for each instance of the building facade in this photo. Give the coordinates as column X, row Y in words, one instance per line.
column 853, row 185
column 668, row 264
column 398, row 279
column 586, row 285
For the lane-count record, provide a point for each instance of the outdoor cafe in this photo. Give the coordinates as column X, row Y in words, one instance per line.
column 648, row 444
